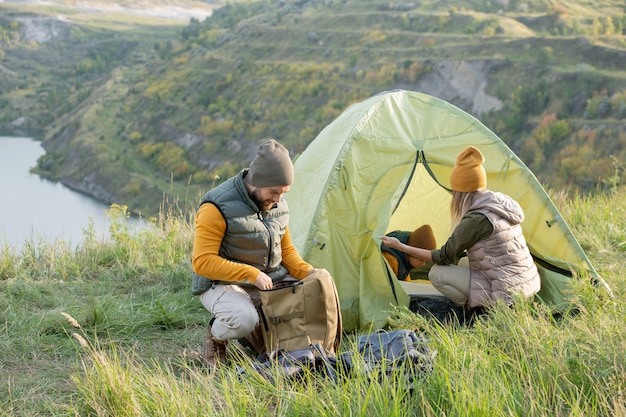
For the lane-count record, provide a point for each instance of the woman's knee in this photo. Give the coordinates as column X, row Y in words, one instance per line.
column 436, row 275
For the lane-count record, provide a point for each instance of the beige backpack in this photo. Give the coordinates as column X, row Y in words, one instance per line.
column 302, row 313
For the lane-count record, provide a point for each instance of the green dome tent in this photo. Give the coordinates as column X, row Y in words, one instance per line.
column 383, row 165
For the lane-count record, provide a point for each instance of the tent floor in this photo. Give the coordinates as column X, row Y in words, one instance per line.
column 427, row 301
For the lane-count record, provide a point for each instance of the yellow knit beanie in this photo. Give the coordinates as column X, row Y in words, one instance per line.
column 468, row 174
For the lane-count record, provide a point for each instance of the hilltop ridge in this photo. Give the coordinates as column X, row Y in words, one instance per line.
column 159, row 111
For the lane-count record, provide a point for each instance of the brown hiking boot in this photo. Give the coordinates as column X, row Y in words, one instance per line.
column 214, row 350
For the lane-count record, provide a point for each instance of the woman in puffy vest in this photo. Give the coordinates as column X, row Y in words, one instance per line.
column 487, row 227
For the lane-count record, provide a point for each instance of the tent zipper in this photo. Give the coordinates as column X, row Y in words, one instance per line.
column 422, row 159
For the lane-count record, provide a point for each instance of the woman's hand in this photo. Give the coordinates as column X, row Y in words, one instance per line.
column 390, row 242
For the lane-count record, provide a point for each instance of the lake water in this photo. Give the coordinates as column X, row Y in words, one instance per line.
column 33, row 209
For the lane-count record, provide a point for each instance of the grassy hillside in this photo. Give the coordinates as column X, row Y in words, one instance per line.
column 148, row 114
column 111, row 329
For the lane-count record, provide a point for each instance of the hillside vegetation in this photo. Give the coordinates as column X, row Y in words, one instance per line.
column 145, row 113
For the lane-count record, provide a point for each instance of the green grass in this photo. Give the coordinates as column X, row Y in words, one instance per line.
column 111, row 329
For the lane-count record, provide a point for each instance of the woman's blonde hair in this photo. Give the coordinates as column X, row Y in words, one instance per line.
column 460, row 203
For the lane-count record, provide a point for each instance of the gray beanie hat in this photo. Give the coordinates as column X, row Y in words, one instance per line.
column 271, row 166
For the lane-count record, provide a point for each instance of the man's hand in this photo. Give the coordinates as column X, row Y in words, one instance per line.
column 263, row 281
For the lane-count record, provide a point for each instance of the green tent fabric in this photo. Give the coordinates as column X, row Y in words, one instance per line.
column 383, row 165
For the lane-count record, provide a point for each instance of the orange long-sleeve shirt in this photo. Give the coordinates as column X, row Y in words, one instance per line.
column 206, row 261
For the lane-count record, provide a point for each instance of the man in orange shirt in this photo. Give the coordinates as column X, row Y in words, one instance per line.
column 242, row 245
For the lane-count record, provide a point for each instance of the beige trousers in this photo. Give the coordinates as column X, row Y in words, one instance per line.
column 453, row 281
column 234, row 309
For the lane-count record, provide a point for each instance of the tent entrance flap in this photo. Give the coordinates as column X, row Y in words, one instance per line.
column 424, row 202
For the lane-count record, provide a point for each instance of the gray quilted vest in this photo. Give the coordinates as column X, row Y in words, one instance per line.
column 252, row 236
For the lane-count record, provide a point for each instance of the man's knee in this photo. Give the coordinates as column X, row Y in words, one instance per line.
column 235, row 325
column 234, row 313
column 249, row 320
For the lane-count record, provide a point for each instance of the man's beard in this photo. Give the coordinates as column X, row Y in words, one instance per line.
column 263, row 205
